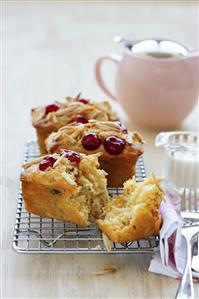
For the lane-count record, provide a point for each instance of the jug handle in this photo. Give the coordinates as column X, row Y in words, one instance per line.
column 112, row 57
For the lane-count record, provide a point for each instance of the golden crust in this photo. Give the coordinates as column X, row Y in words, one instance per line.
column 120, row 167
column 135, row 214
column 45, row 124
column 70, row 136
column 65, row 191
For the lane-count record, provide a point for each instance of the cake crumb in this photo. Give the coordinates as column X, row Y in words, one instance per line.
column 106, row 270
column 97, row 247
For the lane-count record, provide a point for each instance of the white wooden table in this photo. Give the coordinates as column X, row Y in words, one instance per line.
column 49, row 51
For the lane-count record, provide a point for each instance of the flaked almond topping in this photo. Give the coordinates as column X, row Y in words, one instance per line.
column 58, row 161
column 76, row 132
column 70, row 139
column 68, row 178
column 95, row 114
column 78, row 96
column 69, row 99
column 66, row 110
column 107, row 242
column 38, row 113
column 70, row 128
column 36, row 161
column 106, row 270
column 54, row 117
column 53, row 137
column 137, row 137
column 70, row 110
column 108, row 126
column 73, row 133
column 88, row 110
column 49, row 116
column 103, row 125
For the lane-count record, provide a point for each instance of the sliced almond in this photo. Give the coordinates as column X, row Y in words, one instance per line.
column 107, row 242
column 58, row 161
column 49, row 116
column 137, row 137
column 38, row 114
column 26, row 165
column 77, row 96
column 54, row 117
column 77, row 132
column 70, row 139
column 68, row 178
column 65, row 110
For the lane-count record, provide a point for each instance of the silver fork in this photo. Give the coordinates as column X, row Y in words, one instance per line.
column 190, row 228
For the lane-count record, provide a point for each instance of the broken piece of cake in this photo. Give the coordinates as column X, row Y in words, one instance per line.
column 135, row 214
column 67, row 186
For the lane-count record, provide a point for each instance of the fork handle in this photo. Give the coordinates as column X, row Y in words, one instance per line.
column 186, row 289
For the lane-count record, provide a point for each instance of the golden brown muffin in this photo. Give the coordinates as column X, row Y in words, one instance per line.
column 120, row 149
column 52, row 117
column 135, row 214
column 67, row 186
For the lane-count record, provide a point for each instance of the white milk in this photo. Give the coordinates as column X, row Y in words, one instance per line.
column 182, row 168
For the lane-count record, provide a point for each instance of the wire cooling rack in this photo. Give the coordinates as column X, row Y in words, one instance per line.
column 34, row 234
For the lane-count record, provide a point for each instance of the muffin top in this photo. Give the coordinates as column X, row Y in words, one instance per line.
column 108, row 137
column 76, row 109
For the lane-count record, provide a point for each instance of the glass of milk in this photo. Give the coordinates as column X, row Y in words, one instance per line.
column 181, row 161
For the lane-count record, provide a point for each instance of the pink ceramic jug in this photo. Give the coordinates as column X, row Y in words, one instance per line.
column 154, row 92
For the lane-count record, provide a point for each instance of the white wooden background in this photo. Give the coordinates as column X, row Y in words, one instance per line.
column 49, row 50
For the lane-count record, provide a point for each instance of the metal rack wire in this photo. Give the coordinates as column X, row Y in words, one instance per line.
column 34, row 234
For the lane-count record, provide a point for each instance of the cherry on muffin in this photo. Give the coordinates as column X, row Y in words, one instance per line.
column 72, row 156
column 84, row 101
column 81, row 119
column 48, row 161
column 91, row 141
column 52, row 108
column 114, row 145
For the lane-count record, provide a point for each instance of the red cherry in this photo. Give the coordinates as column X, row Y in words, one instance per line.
column 123, row 128
column 52, row 108
column 91, row 141
column 46, row 162
column 72, row 156
column 81, row 119
column 114, row 145
column 84, row 101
